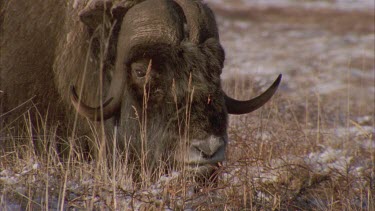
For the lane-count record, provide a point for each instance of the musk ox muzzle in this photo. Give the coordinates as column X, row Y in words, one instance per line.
column 203, row 156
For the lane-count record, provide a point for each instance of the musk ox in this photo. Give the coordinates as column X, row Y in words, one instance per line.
column 150, row 67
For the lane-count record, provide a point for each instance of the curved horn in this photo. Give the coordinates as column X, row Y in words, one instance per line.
column 144, row 25
column 200, row 20
column 110, row 106
column 243, row 107
column 92, row 16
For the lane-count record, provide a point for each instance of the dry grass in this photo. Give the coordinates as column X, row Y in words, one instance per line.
column 278, row 158
column 294, row 155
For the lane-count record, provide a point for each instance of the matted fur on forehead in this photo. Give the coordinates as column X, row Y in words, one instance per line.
column 204, row 61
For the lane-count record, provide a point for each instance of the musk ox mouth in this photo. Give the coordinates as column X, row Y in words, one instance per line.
column 209, row 151
column 202, row 157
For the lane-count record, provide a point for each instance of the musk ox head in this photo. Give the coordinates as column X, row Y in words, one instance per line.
column 167, row 73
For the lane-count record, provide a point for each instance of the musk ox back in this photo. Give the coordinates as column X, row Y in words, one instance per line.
column 151, row 68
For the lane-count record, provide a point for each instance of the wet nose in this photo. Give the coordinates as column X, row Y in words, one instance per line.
column 207, row 151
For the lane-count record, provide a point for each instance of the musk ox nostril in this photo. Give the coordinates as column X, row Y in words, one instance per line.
column 203, row 153
column 208, row 148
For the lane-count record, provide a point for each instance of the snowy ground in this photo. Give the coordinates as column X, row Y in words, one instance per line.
column 312, row 147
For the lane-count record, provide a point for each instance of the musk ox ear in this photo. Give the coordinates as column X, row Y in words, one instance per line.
column 244, row 107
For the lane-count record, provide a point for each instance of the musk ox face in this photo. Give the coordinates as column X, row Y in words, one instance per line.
column 166, row 85
column 178, row 79
column 185, row 104
column 186, row 101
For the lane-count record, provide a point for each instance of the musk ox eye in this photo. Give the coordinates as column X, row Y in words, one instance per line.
column 140, row 73
column 139, row 69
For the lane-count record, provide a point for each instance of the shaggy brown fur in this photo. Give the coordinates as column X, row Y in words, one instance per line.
column 45, row 49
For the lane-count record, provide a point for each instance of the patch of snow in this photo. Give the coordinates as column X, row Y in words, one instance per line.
column 327, row 88
column 365, row 120
column 9, row 177
column 9, row 180
column 264, row 136
column 36, row 166
column 353, row 131
column 6, row 172
column 329, row 160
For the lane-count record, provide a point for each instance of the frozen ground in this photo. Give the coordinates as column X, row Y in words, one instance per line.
column 312, row 147
column 321, row 52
